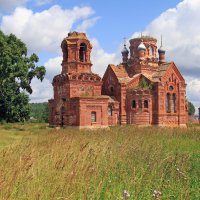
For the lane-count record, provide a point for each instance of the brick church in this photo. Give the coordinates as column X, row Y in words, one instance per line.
column 144, row 89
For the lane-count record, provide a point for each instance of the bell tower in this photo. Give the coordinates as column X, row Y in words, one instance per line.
column 76, row 50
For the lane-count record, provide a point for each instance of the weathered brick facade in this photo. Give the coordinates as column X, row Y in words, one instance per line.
column 144, row 89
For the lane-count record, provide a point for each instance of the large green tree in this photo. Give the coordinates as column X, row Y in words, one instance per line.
column 16, row 72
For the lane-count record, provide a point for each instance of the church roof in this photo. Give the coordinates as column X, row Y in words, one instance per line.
column 160, row 72
column 76, row 35
column 73, row 37
column 123, row 76
column 91, row 77
column 120, row 73
column 112, row 99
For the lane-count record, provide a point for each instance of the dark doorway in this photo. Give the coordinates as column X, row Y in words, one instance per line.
column 62, row 112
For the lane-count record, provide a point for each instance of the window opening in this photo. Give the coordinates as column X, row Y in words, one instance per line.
column 110, row 110
column 93, row 117
column 168, row 102
column 82, row 52
column 146, row 104
column 133, row 104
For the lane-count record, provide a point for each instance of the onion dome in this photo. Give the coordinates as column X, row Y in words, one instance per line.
column 161, row 50
column 141, row 47
column 124, row 50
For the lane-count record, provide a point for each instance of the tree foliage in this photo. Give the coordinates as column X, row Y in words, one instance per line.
column 39, row 112
column 143, row 84
column 191, row 108
column 16, row 72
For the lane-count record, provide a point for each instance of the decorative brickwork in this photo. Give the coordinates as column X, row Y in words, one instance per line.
column 144, row 89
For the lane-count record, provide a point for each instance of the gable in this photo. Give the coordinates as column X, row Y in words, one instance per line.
column 166, row 72
column 172, row 73
column 119, row 72
column 136, row 79
column 109, row 77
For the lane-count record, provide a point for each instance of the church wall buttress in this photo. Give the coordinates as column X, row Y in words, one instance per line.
column 123, row 117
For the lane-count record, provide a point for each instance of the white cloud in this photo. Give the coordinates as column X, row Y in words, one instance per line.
column 42, row 91
column 181, row 37
column 53, row 67
column 87, row 24
column 101, row 59
column 44, row 31
column 10, row 4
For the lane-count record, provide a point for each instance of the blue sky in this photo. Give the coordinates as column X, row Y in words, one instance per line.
column 42, row 24
column 117, row 19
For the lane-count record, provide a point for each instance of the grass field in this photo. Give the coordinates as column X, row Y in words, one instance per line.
column 127, row 162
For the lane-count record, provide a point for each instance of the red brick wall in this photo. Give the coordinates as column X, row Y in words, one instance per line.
column 140, row 114
column 98, row 105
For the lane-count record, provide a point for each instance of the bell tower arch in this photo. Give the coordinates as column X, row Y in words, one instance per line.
column 76, row 50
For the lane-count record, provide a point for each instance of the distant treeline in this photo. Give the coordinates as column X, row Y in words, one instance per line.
column 39, row 112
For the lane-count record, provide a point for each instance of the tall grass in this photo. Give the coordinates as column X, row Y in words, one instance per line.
column 70, row 164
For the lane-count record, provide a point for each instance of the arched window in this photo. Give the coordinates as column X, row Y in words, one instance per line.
column 133, row 104
column 146, row 104
column 111, row 90
column 93, row 117
column 150, row 51
column 174, row 103
column 167, row 102
column 171, row 87
column 109, row 110
column 82, row 52
column 65, row 52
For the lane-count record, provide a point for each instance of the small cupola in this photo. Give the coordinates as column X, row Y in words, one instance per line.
column 125, row 50
column 141, row 47
column 161, row 52
column 125, row 53
column 141, row 50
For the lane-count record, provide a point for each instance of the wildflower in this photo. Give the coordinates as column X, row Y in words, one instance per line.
column 157, row 194
column 126, row 194
column 180, row 173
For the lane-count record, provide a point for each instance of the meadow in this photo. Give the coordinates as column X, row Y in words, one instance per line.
column 123, row 162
